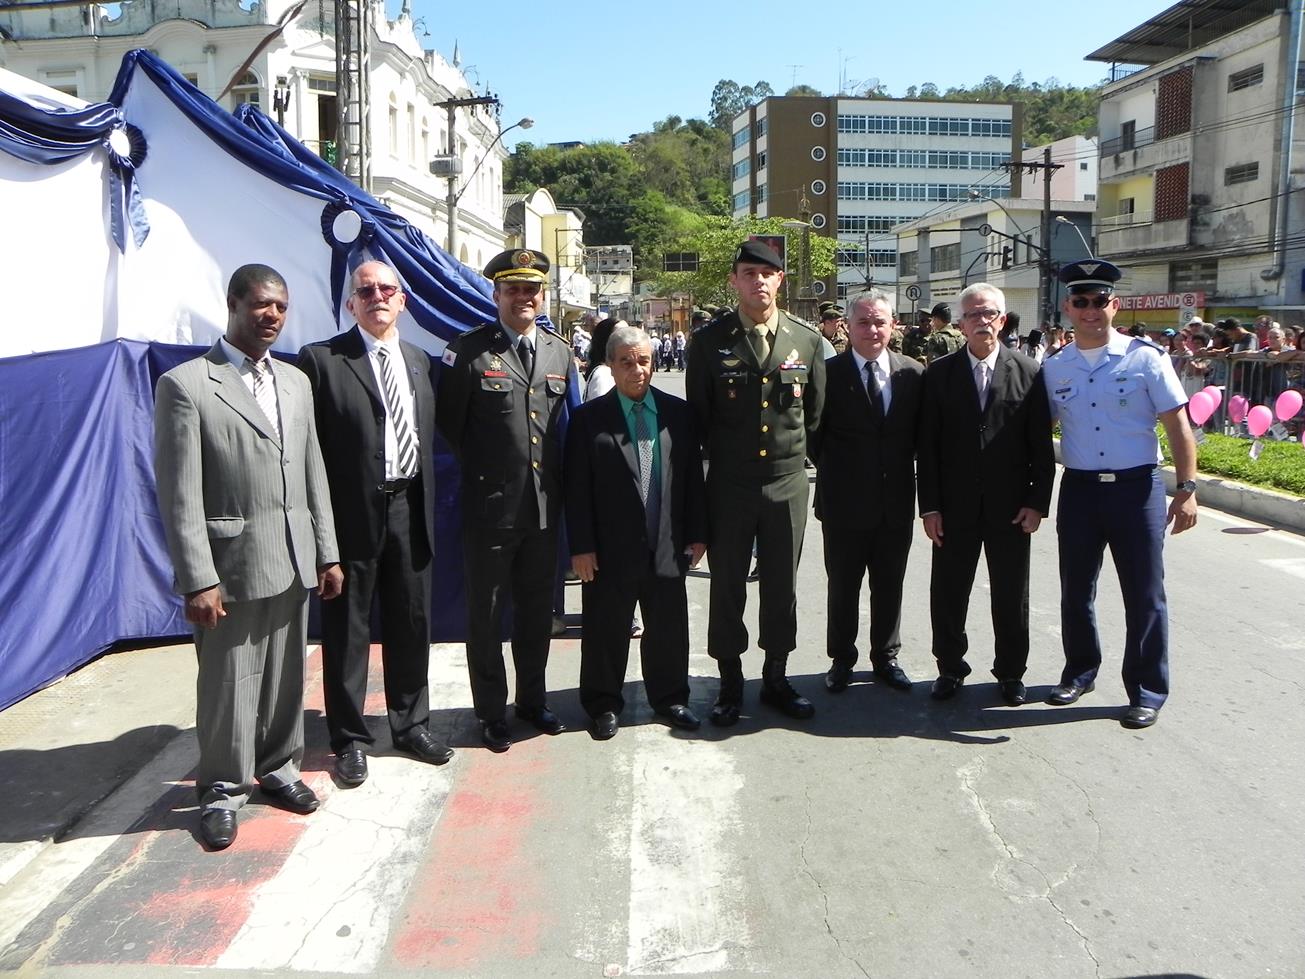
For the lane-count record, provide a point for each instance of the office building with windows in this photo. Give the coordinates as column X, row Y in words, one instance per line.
column 857, row 168
column 1201, row 138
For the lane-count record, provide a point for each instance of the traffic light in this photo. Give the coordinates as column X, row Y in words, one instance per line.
column 1006, row 253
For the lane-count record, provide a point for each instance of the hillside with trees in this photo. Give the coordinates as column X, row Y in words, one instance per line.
column 669, row 189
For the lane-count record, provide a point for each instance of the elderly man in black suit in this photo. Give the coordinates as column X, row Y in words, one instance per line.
column 986, row 467
column 376, row 412
column 865, row 488
column 637, row 521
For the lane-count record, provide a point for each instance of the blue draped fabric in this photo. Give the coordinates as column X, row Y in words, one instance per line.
column 83, row 565
column 52, row 133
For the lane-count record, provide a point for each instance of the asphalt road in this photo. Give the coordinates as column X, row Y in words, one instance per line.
column 890, row 836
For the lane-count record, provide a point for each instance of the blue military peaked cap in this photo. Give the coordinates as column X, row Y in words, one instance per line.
column 1090, row 274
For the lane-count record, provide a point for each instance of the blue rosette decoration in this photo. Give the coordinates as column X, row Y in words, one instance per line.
column 126, row 149
column 348, row 231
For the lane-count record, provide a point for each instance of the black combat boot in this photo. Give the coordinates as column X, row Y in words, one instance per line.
column 777, row 692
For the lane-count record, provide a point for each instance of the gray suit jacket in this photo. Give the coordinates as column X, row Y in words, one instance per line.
column 231, row 495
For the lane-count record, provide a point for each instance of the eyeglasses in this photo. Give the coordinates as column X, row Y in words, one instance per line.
column 980, row 315
column 385, row 289
column 1096, row 302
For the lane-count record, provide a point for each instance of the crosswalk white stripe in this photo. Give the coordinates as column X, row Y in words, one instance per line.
column 329, row 908
column 684, row 826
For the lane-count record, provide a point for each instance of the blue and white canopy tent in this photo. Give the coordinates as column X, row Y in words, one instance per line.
column 122, row 222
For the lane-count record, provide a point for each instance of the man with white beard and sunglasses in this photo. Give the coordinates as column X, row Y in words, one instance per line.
column 1107, row 391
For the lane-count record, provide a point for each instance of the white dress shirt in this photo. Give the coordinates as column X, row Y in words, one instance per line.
column 882, row 370
column 991, row 362
column 400, row 368
column 238, row 360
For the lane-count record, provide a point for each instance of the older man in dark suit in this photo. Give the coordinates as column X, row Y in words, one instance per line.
column 865, row 488
column 636, row 519
column 376, row 412
column 986, row 468
column 247, row 516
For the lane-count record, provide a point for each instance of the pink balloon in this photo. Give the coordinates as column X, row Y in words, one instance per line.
column 1215, row 393
column 1200, row 407
column 1237, row 408
column 1287, row 405
column 1258, row 420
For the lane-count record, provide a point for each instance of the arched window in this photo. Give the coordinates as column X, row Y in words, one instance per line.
column 247, row 90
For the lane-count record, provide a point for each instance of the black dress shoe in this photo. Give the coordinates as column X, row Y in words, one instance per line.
column 421, row 744
column 543, row 719
column 946, row 686
column 351, row 767
column 217, row 828
column 1067, row 693
column 1013, row 692
column 495, row 735
column 681, row 717
column 1139, row 717
column 296, row 797
column 894, row 676
column 779, row 693
column 838, row 677
column 605, row 726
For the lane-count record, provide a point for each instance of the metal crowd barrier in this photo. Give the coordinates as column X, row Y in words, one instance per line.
column 1258, row 377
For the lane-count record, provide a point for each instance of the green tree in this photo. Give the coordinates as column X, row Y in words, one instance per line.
column 728, row 99
column 602, row 180
column 715, row 240
column 804, row 90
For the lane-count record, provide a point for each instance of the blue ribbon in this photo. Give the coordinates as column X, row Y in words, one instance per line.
column 124, row 195
column 345, row 255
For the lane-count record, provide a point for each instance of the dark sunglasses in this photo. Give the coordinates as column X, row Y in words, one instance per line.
column 1098, row 302
column 386, row 290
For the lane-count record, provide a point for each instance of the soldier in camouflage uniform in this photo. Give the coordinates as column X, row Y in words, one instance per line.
column 833, row 326
column 914, row 338
column 943, row 337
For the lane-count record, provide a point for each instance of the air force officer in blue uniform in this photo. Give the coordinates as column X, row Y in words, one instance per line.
column 1107, row 391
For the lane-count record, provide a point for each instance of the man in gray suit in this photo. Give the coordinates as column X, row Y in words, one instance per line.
column 248, row 522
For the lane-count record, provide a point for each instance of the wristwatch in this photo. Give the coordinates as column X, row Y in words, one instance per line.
column 1186, row 486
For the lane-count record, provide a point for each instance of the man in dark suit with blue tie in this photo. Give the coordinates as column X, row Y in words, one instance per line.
column 865, row 488
column 636, row 518
column 986, row 467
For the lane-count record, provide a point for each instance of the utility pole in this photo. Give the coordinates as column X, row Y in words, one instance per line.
column 1044, row 278
column 353, row 140
column 451, row 197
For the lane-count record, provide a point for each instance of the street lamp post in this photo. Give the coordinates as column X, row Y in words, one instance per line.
column 1061, row 219
column 454, row 167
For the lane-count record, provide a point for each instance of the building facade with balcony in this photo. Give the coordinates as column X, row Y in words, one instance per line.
column 857, row 168
column 1201, row 157
column 535, row 221
column 996, row 240
column 78, row 50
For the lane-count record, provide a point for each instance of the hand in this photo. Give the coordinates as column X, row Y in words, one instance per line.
column 330, row 582
column 204, row 608
column 585, row 565
column 933, row 528
column 1029, row 519
column 1182, row 512
column 695, row 553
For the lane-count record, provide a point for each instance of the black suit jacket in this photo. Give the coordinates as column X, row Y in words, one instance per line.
column 604, row 514
column 350, row 413
column 984, row 463
column 505, row 427
column 865, row 465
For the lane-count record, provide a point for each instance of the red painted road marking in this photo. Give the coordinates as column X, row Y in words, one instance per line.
column 476, row 900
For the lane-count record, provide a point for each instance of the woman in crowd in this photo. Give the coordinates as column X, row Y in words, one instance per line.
column 598, row 379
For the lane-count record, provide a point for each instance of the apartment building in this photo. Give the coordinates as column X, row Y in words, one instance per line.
column 1201, row 145
column 856, row 168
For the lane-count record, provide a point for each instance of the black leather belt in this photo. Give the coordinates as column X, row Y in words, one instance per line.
column 1109, row 475
column 393, row 486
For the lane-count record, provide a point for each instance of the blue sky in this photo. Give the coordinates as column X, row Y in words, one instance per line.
column 589, row 70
